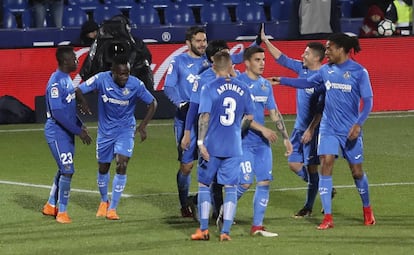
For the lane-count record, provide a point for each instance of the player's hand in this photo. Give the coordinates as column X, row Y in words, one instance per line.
column 274, row 80
column 262, row 34
column 203, row 152
column 307, row 136
column 289, row 147
column 185, row 141
column 84, row 108
column 269, row 134
column 142, row 132
column 354, row 132
column 84, row 136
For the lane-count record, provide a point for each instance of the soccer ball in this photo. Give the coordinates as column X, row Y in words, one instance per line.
column 386, row 27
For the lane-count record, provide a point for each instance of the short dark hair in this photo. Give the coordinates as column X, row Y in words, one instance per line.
column 62, row 52
column 248, row 53
column 191, row 31
column 318, row 48
column 215, row 46
column 345, row 41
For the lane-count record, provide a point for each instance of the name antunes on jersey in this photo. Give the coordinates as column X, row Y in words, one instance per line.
column 230, row 86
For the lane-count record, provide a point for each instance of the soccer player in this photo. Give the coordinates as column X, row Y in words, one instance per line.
column 61, row 126
column 183, row 71
column 223, row 104
column 346, row 83
column 304, row 159
column 257, row 153
column 118, row 93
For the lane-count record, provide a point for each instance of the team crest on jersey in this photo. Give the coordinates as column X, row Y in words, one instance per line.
column 125, row 92
column 246, row 177
column 206, row 63
column 54, row 92
column 263, row 86
column 195, row 86
column 347, row 75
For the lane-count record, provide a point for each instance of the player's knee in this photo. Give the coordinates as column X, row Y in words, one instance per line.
column 246, row 185
column 186, row 168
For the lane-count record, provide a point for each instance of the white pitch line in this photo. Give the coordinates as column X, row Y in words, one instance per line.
column 172, row 193
column 379, row 115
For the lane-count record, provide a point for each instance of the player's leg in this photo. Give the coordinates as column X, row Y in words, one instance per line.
column 328, row 150
column 123, row 149
column 105, row 154
column 246, row 171
column 228, row 175
column 186, row 158
column 216, row 198
column 353, row 153
column 65, row 149
column 262, row 168
column 50, row 208
column 205, row 174
column 295, row 160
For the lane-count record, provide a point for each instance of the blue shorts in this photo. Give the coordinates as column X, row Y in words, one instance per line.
column 191, row 154
column 226, row 169
column 256, row 162
column 304, row 153
column 352, row 151
column 63, row 151
column 121, row 143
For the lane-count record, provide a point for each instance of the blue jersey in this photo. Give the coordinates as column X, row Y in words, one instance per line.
column 205, row 77
column 345, row 85
column 116, row 105
column 60, row 95
column 306, row 99
column 227, row 100
column 183, row 71
column 262, row 94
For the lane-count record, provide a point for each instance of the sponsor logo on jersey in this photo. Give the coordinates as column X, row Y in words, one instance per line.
column 340, row 86
column 107, row 99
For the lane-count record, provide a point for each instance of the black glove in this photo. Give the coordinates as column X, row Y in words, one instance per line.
column 258, row 36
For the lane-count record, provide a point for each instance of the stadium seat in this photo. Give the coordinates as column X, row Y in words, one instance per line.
column 346, row 8
column 85, row 4
column 121, row 4
column 27, row 21
column 193, row 3
column 16, row 5
column 250, row 12
column 73, row 16
column 178, row 14
column 106, row 12
column 9, row 20
column 280, row 10
column 143, row 14
column 214, row 12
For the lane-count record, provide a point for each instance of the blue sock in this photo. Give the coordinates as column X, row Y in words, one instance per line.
column 240, row 191
column 325, row 191
column 312, row 190
column 303, row 173
column 118, row 186
column 204, row 206
column 64, row 192
column 103, row 181
column 363, row 189
column 229, row 206
column 53, row 195
column 260, row 200
column 183, row 185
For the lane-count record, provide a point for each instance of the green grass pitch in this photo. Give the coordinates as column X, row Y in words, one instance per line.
column 150, row 219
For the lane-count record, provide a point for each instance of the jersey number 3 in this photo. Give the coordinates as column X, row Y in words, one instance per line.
column 230, row 106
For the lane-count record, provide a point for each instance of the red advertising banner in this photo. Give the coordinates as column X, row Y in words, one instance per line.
column 25, row 72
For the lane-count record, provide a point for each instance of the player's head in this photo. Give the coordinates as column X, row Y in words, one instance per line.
column 215, row 46
column 339, row 46
column 196, row 40
column 254, row 60
column 313, row 55
column 120, row 69
column 222, row 63
column 66, row 58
